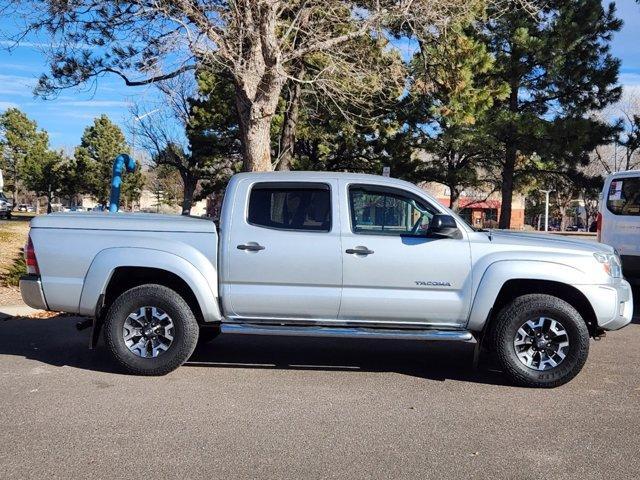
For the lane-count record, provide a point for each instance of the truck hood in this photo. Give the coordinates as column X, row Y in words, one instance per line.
column 547, row 242
column 124, row 221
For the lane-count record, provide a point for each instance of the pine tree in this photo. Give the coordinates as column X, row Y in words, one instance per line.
column 21, row 142
column 558, row 66
column 44, row 174
column 448, row 98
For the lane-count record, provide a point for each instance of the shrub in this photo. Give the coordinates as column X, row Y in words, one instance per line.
column 11, row 277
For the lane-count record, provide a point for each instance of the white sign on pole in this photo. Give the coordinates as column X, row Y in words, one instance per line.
column 386, row 171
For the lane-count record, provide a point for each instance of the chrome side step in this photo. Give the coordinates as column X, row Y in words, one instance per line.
column 346, row 332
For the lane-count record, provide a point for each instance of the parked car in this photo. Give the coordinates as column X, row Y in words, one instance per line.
column 618, row 222
column 5, row 206
column 326, row 254
column 23, row 207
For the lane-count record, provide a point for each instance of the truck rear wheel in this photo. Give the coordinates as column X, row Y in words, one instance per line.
column 541, row 341
column 150, row 330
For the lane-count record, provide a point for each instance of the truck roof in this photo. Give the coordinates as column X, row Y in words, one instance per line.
column 624, row 173
column 302, row 175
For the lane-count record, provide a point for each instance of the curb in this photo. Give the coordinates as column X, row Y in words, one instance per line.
column 21, row 310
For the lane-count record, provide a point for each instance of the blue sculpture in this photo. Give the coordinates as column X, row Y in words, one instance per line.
column 123, row 161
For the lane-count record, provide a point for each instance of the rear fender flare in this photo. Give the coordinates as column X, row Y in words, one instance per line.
column 204, row 284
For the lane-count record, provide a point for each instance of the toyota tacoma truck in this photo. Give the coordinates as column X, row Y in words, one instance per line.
column 326, row 254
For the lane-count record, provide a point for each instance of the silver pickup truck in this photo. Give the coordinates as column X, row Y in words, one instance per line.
column 326, row 254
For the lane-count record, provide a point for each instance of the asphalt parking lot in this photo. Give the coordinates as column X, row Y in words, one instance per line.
column 269, row 407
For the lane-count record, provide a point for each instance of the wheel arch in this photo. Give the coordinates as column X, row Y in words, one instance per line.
column 116, row 270
column 504, row 281
column 517, row 287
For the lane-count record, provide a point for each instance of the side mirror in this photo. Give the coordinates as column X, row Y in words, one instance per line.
column 443, row 226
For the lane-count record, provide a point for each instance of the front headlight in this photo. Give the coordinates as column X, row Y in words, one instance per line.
column 611, row 263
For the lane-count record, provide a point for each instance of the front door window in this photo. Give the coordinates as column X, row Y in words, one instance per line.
column 387, row 212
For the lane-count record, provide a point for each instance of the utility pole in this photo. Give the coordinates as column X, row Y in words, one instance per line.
column 546, row 209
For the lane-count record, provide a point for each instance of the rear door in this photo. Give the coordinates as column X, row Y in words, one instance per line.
column 391, row 271
column 283, row 257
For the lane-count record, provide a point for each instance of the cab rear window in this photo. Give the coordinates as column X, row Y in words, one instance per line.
column 624, row 196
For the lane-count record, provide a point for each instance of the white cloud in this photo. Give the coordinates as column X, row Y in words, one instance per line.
column 630, row 82
column 12, row 44
column 94, row 103
column 41, row 45
column 19, row 67
column 630, row 79
column 17, row 85
column 7, row 105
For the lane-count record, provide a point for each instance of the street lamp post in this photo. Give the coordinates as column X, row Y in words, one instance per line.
column 546, row 209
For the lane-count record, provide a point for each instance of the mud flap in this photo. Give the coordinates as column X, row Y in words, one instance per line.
column 96, row 326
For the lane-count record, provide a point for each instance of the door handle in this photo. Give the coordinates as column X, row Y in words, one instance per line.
column 251, row 247
column 359, row 251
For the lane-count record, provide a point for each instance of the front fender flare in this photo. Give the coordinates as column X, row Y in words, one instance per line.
column 498, row 273
column 101, row 269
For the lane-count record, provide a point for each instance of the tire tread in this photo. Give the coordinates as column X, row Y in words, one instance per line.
column 536, row 302
column 183, row 349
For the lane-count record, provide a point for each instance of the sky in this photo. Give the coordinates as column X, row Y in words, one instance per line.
column 66, row 117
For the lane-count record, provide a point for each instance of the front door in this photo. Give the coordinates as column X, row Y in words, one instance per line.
column 391, row 271
column 283, row 256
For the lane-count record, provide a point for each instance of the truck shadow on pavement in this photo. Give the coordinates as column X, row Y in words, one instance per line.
column 55, row 341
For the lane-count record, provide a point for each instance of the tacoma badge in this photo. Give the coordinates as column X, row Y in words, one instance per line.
column 432, row 284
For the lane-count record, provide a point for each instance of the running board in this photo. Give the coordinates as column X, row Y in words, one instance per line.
column 347, row 332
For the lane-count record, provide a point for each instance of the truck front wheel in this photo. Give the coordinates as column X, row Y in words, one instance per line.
column 150, row 330
column 541, row 341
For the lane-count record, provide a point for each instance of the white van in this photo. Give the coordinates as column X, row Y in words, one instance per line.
column 618, row 221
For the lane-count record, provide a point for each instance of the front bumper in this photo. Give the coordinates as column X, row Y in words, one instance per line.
column 612, row 304
column 31, row 291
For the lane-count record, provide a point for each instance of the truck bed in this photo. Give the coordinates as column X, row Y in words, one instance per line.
column 69, row 245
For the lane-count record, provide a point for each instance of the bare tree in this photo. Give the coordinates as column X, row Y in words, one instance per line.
column 174, row 135
column 624, row 153
column 259, row 43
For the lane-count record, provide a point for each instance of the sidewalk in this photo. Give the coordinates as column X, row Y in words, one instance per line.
column 7, row 311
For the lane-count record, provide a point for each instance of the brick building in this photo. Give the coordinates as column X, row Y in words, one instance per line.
column 478, row 208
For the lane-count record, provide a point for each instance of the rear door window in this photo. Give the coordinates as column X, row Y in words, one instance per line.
column 623, row 197
column 291, row 206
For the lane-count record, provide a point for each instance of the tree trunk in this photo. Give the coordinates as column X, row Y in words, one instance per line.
column 256, row 102
column 454, row 198
column 189, row 188
column 256, row 144
column 288, row 137
column 507, row 187
column 563, row 217
column 15, row 186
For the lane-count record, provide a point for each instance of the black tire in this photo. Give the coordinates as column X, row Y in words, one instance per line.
column 185, row 333
column 208, row 334
column 533, row 307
